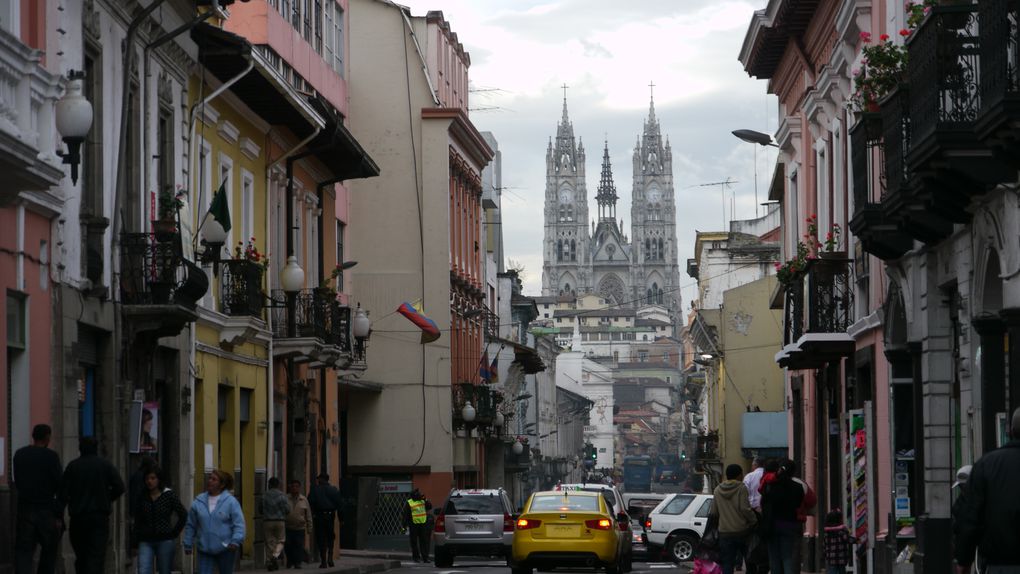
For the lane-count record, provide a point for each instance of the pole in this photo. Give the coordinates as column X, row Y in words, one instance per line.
column 756, row 182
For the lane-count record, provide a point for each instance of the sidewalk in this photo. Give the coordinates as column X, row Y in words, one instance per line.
column 349, row 562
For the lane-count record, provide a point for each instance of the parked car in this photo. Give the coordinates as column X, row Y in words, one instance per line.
column 473, row 523
column 640, row 504
column 567, row 528
column 677, row 524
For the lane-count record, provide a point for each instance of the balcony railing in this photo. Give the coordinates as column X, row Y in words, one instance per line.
column 830, row 295
column 154, row 273
column 241, row 288
column 999, row 22
column 483, row 398
column 317, row 315
column 818, row 312
column 793, row 312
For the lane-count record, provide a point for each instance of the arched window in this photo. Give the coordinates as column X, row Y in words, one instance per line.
column 648, row 249
column 649, row 298
column 659, row 298
column 566, row 289
column 661, row 251
column 573, row 250
column 559, row 250
column 570, row 213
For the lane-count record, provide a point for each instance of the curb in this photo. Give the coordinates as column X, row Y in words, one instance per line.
column 368, row 568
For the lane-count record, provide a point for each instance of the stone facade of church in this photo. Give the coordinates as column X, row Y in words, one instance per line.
column 583, row 256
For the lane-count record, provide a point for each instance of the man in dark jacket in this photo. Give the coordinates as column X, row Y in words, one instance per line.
column 324, row 498
column 40, row 519
column 89, row 487
column 736, row 519
column 989, row 518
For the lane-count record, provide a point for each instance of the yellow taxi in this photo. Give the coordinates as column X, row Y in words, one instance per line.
column 569, row 528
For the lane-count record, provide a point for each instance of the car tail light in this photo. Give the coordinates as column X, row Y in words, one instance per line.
column 508, row 523
column 440, row 525
column 599, row 524
column 648, row 524
column 526, row 524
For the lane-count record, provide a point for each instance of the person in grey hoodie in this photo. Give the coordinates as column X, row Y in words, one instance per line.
column 736, row 518
column 215, row 525
column 275, row 508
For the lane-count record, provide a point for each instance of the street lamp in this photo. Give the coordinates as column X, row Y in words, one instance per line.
column 468, row 412
column 361, row 326
column 499, row 420
column 292, row 279
column 751, row 136
column 74, row 119
column 213, row 237
column 518, row 447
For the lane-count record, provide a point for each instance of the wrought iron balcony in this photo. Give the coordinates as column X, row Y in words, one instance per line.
column 818, row 311
column 241, row 288
column 483, row 398
column 879, row 235
column 158, row 288
column 318, row 330
column 516, row 462
column 949, row 162
column 1000, row 78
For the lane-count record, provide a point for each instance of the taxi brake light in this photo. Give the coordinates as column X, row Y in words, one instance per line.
column 440, row 525
column 525, row 524
column 599, row 524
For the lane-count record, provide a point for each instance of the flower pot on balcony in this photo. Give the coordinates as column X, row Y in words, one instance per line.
column 838, row 255
column 165, row 230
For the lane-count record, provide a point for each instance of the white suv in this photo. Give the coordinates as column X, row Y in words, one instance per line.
column 677, row 525
column 477, row 522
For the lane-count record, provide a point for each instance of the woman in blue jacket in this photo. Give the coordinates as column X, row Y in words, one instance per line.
column 215, row 525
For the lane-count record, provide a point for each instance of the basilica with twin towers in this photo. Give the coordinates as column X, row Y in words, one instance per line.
column 592, row 255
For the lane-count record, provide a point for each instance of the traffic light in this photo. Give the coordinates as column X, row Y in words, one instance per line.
column 683, row 455
column 594, row 453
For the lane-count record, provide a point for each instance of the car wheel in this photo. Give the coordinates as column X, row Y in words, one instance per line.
column 444, row 559
column 681, row 547
column 614, row 569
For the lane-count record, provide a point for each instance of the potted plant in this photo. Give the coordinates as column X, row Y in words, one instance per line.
column 793, row 269
column 829, row 248
column 881, row 71
column 165, row 224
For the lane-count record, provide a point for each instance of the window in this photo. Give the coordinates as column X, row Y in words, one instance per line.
column 643, row 355
column 328, row 33
column 678, row 505
column 340, row 229
column 92, row 152
column 248, row 209
column 705, row 510
column 16, row 325
column 338, row 38
column 318, row 26
column 307, row 18
column 226, row 179
column 165, row 149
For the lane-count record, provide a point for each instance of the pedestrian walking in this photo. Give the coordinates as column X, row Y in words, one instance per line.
column 988, row 517
column 215, row 526
column 158, row 520
column 275, row 508
column 836, row 543
column 89, row 487
column 37, row 474
column 753, row 483
column 324, row 498
column 416, row 524
column 736, row 519
column 298, row 523
column 136, row 483
column 780, row 500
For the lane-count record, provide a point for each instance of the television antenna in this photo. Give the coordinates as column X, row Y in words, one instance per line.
column 722, row 192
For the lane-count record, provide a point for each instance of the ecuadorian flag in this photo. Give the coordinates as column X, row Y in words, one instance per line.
column 413, row 312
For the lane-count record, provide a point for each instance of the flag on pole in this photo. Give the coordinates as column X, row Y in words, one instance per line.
column 483, row 369
column 219, row 209
column 493, row 372
column 413, row 312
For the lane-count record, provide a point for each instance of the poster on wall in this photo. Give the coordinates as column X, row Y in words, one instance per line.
column 858, row 449
column 147, row 424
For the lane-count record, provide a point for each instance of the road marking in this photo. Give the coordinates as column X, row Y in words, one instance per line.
column 661, row 566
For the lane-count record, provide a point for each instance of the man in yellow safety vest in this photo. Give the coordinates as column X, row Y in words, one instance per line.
column 416, row 514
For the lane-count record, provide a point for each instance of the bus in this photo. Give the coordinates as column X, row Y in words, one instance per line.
column 637, row 473
column 667, row 469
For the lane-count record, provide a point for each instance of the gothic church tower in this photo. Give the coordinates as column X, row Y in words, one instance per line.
column 655, row 274
column 566, row 269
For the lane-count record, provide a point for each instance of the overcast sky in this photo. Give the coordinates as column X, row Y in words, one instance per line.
column 607, row 52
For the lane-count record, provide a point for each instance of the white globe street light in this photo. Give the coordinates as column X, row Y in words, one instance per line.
column 73, row 119
column 518, row 447
column 361, row 325
column 292, row 278
column 468, row 412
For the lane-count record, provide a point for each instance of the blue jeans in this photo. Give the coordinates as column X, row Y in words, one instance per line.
column 781, row 550
column 161, row 550
column 732, row 550
column 223, row 562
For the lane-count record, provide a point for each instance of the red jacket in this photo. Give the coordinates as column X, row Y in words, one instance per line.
column 810, row 499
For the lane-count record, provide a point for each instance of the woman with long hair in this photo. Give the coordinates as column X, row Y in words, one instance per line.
column 159, row 520
column 780, row 500
column 215, row 525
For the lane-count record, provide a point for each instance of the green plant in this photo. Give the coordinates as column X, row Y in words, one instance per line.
column 882, row 66
column 169, row 203
column 832, row 236
column 794, row 268
column 251, row 253
column 916, row 11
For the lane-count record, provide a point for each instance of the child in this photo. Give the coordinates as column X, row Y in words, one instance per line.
column 706, row 555
column 837, row 543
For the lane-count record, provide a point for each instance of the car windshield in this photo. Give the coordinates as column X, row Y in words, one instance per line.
column 564, row 502
column 474, row 505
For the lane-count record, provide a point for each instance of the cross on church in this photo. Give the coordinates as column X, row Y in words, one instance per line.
column 652, row 86
column 564, row 86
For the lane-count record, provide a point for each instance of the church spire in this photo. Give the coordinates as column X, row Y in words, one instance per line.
column 651, row 105
column 606, row 196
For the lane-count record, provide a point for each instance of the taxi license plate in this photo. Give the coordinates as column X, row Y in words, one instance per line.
column 474, row 527
column 563, row 531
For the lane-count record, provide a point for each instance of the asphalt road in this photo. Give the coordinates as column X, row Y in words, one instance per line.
column 479, row 566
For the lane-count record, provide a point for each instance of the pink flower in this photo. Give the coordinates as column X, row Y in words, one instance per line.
column 865, row 37
column 884, row 37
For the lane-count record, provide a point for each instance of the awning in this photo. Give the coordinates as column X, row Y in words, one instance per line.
column 273, row 99
column 525, row 356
